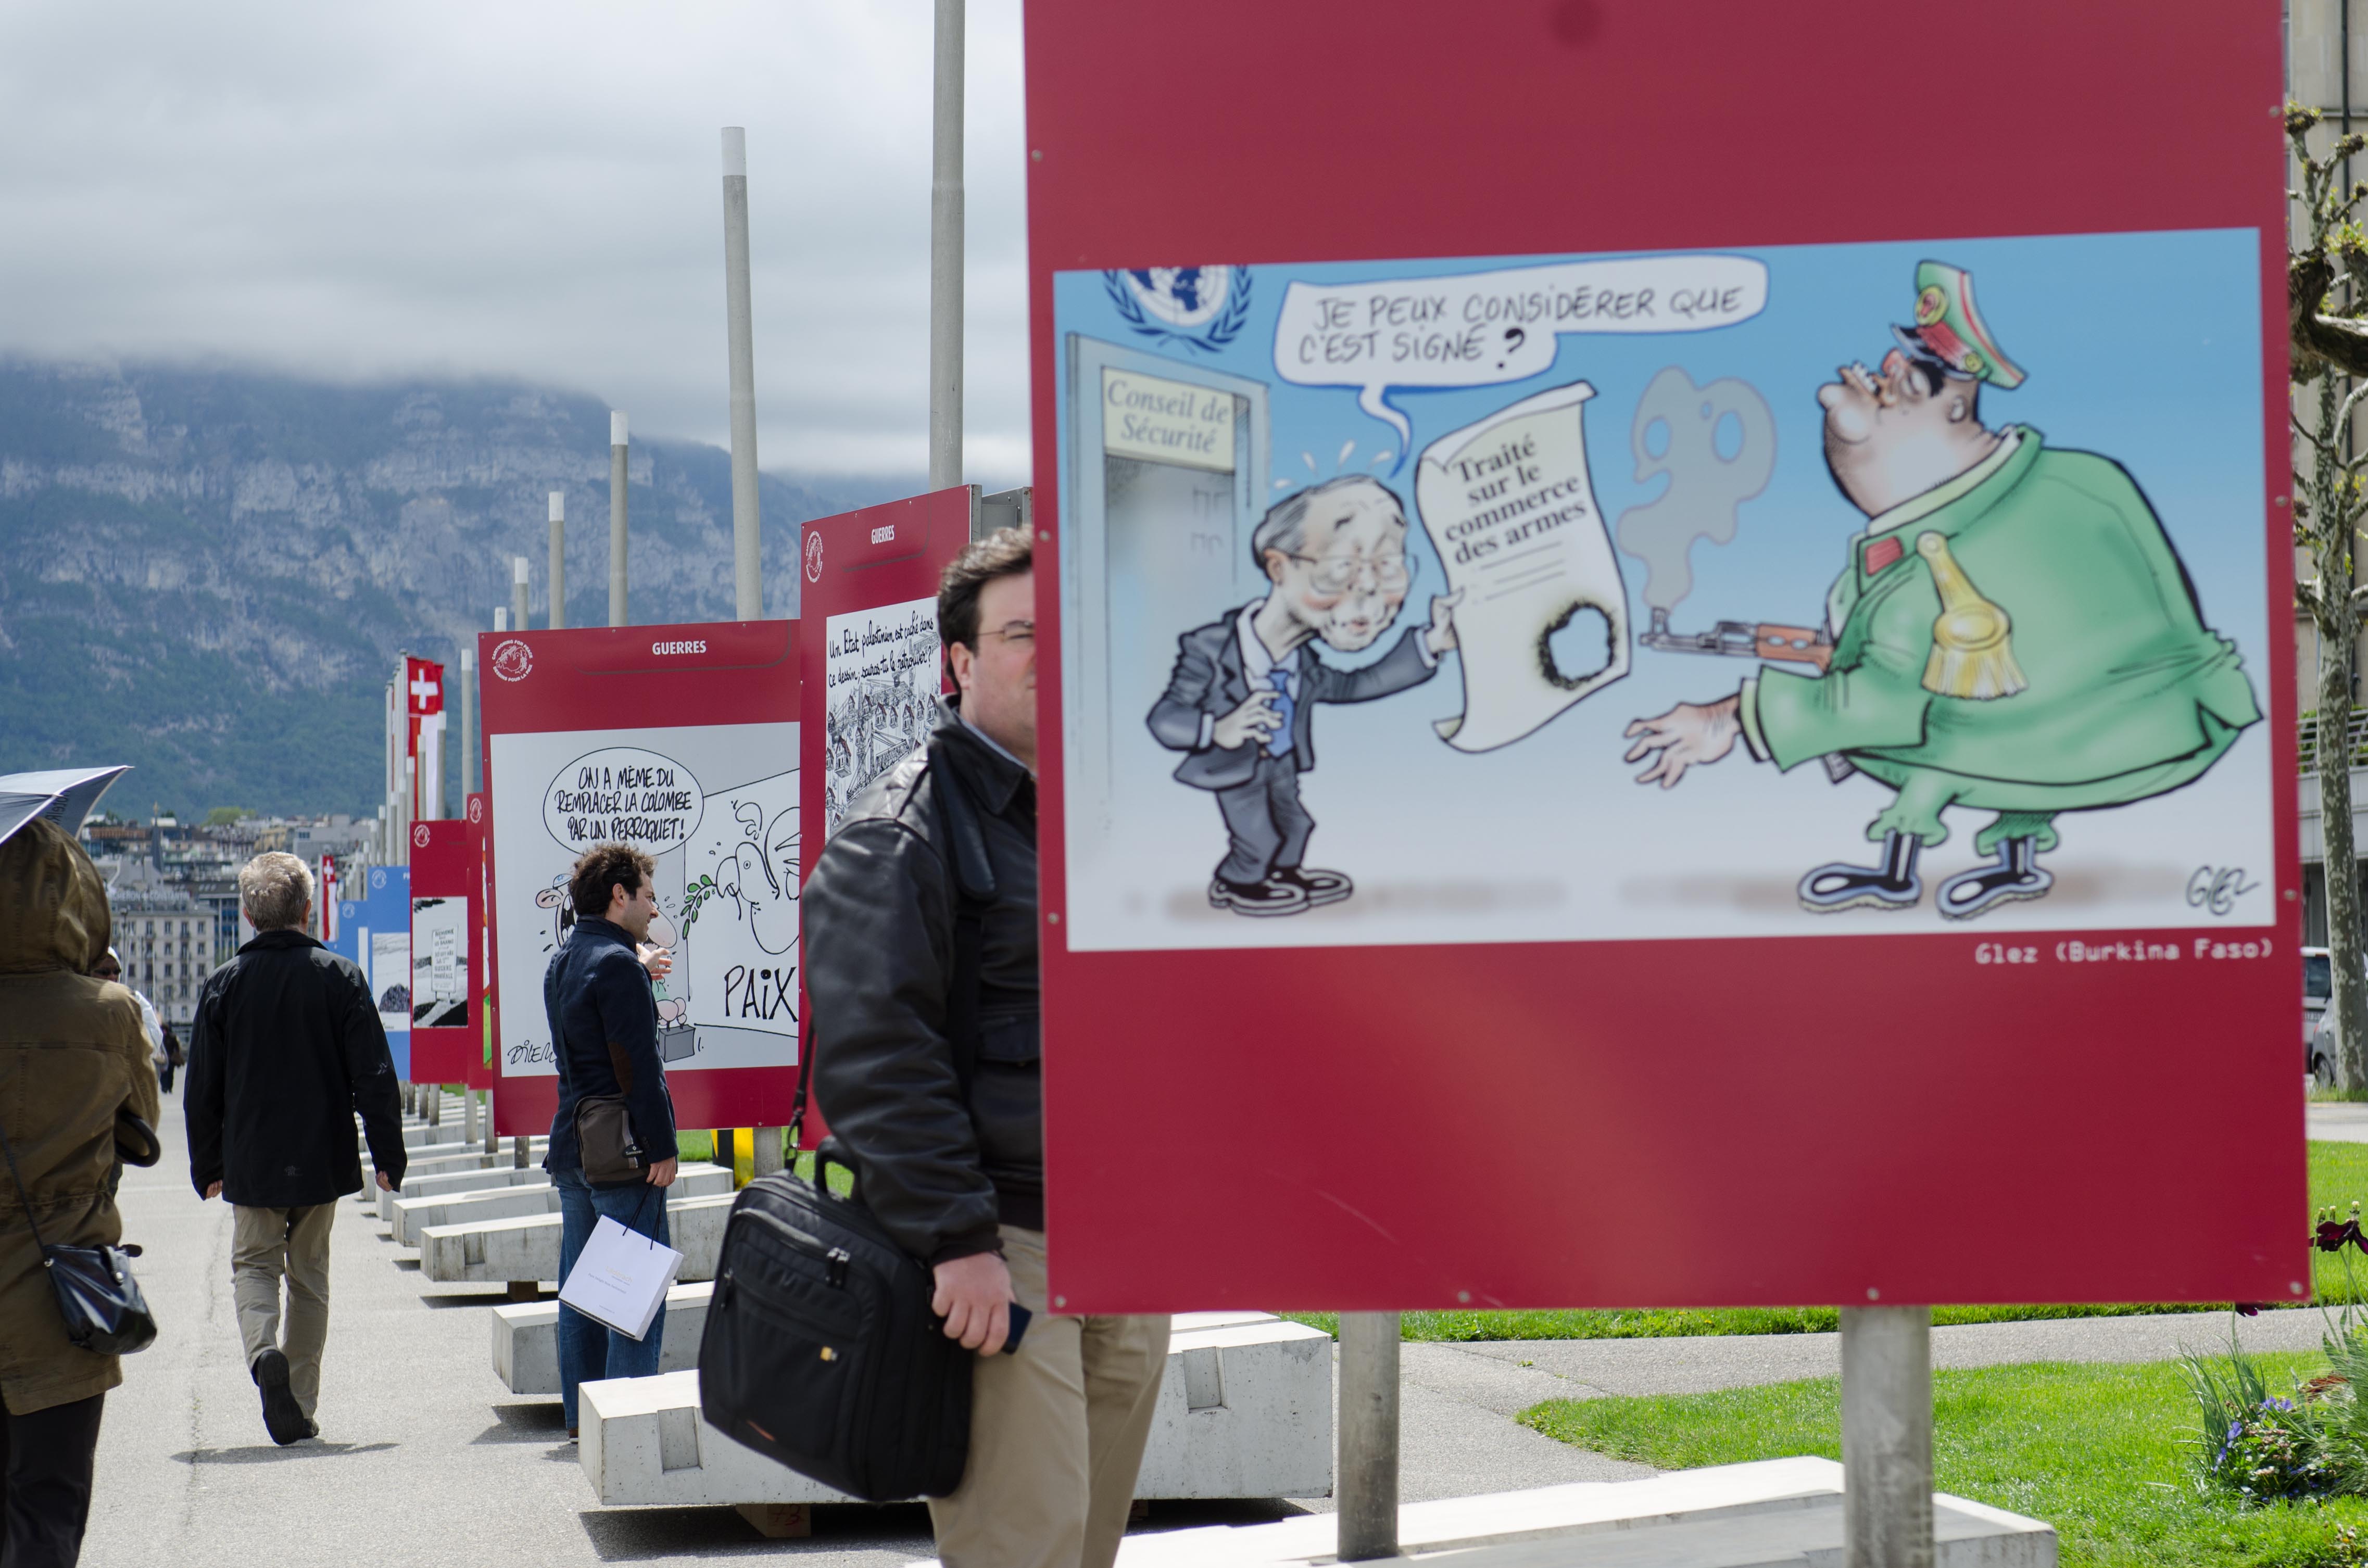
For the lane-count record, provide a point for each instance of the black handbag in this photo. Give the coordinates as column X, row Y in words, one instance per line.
column 820, row 1349
column 604, row 1132
column 821, row 1352
column 99, row 1297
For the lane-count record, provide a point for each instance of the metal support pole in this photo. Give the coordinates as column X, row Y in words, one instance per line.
column 492, row 1139
column 765, row 1158
column 558, row 616
column 1367, row 1484
column 946, row 253
column 468, row 1116
column 747, row 554
column 1887, row 1437
column 468, row 721
column 617, row 474
column 435, row 1093
column 519, row 604
column 518, row 1151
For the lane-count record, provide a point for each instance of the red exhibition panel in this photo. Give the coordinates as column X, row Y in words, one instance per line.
column 869, row 597
column 681, row 741
column 444, row 940
column 1784, row 835
column 481, row 874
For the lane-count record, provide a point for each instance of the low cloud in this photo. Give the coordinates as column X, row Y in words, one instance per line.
column 528, row 189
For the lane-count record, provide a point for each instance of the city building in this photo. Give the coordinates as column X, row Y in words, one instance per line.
column 167, row 951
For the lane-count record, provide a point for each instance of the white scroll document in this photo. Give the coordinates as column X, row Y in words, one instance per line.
column 1543, row 620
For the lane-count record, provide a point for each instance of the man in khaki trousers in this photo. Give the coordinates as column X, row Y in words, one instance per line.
column 924, row 998
column 285, row 1049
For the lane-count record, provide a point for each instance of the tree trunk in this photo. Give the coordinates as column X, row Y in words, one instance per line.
column 2338, row 632
column 2349, row 1001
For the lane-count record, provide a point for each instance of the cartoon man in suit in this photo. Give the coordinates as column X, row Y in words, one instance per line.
column 1241, row 701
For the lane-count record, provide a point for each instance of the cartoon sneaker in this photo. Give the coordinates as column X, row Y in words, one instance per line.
column 1891, row 885
column 2015, row 874
column 1321, row 887
column 1268, row 897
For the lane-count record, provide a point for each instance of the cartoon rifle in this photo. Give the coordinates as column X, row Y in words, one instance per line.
column 1743, row 640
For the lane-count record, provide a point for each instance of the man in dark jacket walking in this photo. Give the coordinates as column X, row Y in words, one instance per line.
column 604, row 1033
column 947, row 1132
column 285, row 1049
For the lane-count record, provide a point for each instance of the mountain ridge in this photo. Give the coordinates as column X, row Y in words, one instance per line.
column 209, row 572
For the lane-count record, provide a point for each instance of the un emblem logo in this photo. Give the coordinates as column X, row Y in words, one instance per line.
column 1201, row 307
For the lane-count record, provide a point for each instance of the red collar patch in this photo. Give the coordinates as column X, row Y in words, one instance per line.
column 1881, row 553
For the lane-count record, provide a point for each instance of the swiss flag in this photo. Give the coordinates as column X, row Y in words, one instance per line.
column 423, row 687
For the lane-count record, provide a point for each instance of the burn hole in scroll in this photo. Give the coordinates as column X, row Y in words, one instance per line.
column 1576, row 646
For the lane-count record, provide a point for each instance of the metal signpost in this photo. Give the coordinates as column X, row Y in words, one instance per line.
column 617, row 471
column 558, row 559
column 1721, row 791
column 946, row 249
column 748, row 545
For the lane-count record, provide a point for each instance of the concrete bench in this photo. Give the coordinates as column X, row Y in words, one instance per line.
column 1245, row 1411
column 459, row 1161
column 413, row 1215
column 526, row 1339
column 425, row 1136
column 451, row 1183
column 1768, row 1511
column 528, row 1247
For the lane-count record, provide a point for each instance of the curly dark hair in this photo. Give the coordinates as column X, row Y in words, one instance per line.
column 602, row 867
column 1006, row 552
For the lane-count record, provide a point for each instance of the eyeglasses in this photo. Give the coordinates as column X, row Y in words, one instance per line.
column 1333, row 573
column 1014, row 634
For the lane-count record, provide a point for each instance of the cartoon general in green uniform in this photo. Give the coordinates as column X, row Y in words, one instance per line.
column 2013, row 632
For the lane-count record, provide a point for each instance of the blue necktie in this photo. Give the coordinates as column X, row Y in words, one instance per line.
column 1279, row 742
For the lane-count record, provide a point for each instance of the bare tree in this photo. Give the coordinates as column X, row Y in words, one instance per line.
column 2326, row 314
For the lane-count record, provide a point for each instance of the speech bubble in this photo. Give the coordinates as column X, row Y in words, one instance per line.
column 623, row 795
column 1474, row 329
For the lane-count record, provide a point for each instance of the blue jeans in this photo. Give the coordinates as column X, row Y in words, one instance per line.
column 587, row 1351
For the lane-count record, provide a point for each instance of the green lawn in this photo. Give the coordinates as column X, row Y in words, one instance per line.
column 2094, row 1450
column 2338, row 1174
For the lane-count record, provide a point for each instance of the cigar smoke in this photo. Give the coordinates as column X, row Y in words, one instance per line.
column 1706, row 486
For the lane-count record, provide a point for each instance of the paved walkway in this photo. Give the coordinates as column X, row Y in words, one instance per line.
column 2338, row 1122
column 427, row 1461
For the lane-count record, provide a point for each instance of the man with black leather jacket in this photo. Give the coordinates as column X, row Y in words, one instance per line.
column 954, row 1169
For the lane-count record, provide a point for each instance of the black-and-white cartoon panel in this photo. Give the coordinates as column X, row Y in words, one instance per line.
column 716, row 809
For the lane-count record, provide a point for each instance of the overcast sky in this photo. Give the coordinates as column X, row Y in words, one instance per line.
column 525, row 188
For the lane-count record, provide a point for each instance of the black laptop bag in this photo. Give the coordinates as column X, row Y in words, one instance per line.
column 820, row 1349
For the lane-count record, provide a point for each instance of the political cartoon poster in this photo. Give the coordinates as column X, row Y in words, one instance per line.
column 1956, row 632
column 1651, row 675
column 682, row 741
column 374, row 930
column 444, row 873
column 871, row 590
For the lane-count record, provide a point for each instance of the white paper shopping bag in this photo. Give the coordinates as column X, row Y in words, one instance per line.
column 621, row 1278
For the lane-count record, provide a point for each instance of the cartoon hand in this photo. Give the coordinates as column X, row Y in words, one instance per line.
column 1442, row 621
column 1686, row 736
column 1254, row 719
column 659, row 961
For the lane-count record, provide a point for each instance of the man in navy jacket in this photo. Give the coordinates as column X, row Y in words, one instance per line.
column 604, row 1036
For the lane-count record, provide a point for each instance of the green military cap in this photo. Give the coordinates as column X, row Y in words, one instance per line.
column 1950, row 329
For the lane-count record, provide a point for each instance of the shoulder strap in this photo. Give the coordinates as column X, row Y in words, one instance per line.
column 974, row 889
